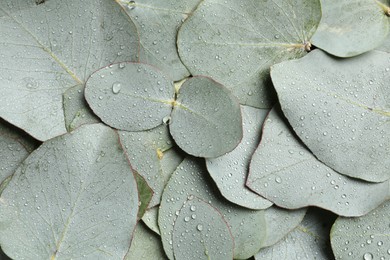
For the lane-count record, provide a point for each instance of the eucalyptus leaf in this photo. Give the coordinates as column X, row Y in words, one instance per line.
column 76, row 109
column 145, row 194
column 157, row 23
column 189, row 181
column 351, row 27
column 285, row 172
column 29, row 143
column 309, row 240
column 340, row 110
column 230, row 171
column 201, row 232
column 206, row 118
column 59, row 44
column 56, row 205
column 150, row 219
column 235, row 42
column 130, row 96
column 145, row 245
column 366, row 237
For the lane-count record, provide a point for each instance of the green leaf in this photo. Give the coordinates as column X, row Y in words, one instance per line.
column 52, row 47
column 190, row 180
column 76, row 109
column 145, row 245
column 230, row 171
column 280, row 222
column 145, row 194
column 130, row 96
column 206, row 118
column 285, row 172
column 309, row 240
column 366, row 237
column 340, row 110
column 150, row 219
column 157, row 23
column 29, row 143
column 235, row 43
column 201, row 232
column 349, row 28
column 74, row 197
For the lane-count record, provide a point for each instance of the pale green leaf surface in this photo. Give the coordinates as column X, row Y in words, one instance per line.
column 230, row 171
column 145, row 194
column 280, row 222
column 201, row 232
column 150, row 219
column 366, row 237
column 235, row 42
column 29, row 143
column 340, row 108
column 206, row 118
column 59, row 43
column 157, row 23
column 191, row 179
column 56, row 205
column 350, row 27
column 145, row 150
column 285, row 172
column 76, row 109
column 308, row 241
column 130, row 96
column 145, row 245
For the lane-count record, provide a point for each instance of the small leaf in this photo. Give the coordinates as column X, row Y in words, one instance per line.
column 74, row 197
column 285, row 172
column 366, row 237
column 253, row 35
column 350, row 27
column 191, row 179
column 230, row 171
column 130, row 96
column 150, row 219
column 201, row 232
column 340, row 110
column 145, row 194
column 206, row 118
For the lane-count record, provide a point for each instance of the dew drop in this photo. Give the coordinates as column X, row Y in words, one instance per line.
column 116, row 87
column 278, row 180
column 199, row 227
column 167, row 120
column 368, row 256
column 186, row 219
column 192, row 208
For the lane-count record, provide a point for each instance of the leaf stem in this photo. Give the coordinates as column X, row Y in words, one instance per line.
column 385, row 8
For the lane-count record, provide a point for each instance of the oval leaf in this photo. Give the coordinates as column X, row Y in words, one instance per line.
column 206, row 118
column 190, row 180
column 255, row 35
column 349, row 28
column 50, row 48
column 56, row 203
column 285, row 172
column 366, row 237
column 201, row 232
column 230, row 171
column 130, row 96
column 340, row 110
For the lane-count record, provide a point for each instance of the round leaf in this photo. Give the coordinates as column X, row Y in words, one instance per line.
column 340, row 110
column 230, row 171
column 253, row 35
column 201, row 232
column 366, row 237
column 73, row 197
column 350, row 27
column 206, row 118
column 49, row 48
column 285, row 172
column 130, row 96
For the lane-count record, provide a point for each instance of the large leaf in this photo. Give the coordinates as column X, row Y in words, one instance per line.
column 130, row 96
column 206, row 118
column 351, row 27
column 201, row 232
column 285, row 172
column 340, row 108
column 235, row 43
column 157, row 23
column 366, row 237
column 308, row 241
column 60, row 43
column 73, row 197
column 230, row 171
column 190, row 180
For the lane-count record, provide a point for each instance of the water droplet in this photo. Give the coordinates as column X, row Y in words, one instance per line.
column 278, row 180
column 368, row 256
column 199, row 227
column 116, row 87
column 380, row 243
column 131, row 5
column 277, row 36
column 186, row 219
column 167, row 120
column 122, row 65
column 192, row 208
